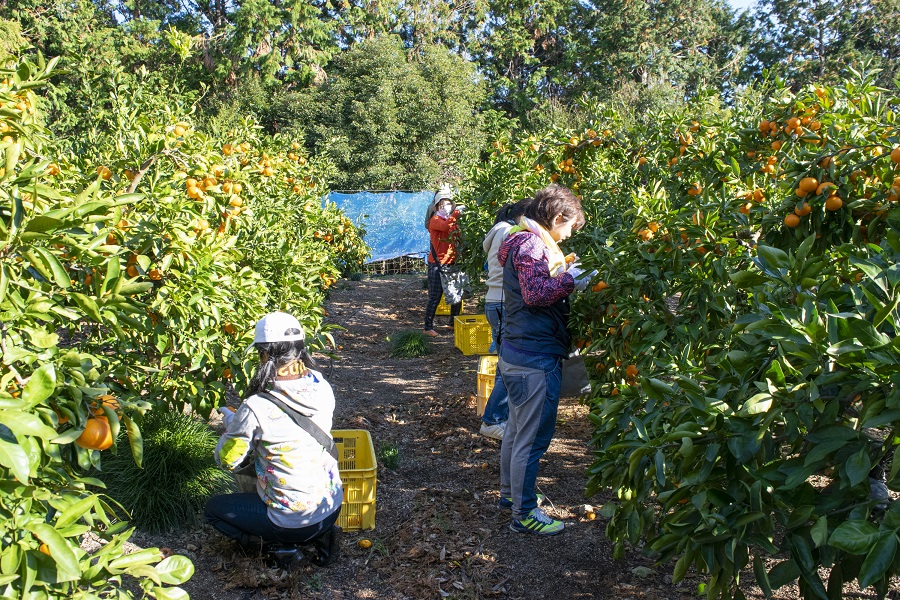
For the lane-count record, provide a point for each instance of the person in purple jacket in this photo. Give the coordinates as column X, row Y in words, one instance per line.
column 536, row 287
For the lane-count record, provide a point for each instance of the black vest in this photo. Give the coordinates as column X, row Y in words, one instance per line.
column 532, row 328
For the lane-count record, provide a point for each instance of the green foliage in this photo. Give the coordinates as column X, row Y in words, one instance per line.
column 388, row 454
column 177, row 476
column 815, row 40
column 409, row 344
column 391, row 121
column 744, row 369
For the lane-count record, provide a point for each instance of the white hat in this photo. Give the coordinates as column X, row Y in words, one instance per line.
column 274, row 327
column 445, row 193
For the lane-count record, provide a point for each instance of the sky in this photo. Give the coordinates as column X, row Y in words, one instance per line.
column 741, row 5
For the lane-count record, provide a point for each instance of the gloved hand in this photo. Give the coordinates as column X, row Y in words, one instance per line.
column 582, row 279
column 227, row 415
column 460, row 208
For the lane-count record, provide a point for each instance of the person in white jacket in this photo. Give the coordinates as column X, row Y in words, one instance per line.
column 496, row 411
column 298, row 486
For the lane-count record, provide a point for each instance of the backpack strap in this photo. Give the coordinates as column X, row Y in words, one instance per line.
column 305, row 423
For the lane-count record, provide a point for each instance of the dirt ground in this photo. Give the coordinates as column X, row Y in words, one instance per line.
column 439, row 533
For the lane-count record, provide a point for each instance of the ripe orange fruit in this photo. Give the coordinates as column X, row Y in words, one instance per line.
column 229, row 328
column 645, row 234
column 599, row 286
column 745, row 208
column 803, row 210
column 631, row 371
column 45, row 549
column 226, row 373
column 895, row 155
column 833, row 202
column 809, row 184
column 155, row 274
column 97, row 434
column 364, row 544
column 642, row 161
column 824, row 186
column 104, row 172
column 776, row 145
column 52, row 169
column 194, row 192
column 758, row 195
column 653, row 226
column 801, row 193
column 179, row 130
column 132, row 271
column 792, row 220
column 227, row 150
column 695, row 190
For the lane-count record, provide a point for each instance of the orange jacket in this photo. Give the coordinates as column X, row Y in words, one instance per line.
column 444, row 234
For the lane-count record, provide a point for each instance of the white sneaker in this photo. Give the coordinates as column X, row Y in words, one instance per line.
column 493, row 431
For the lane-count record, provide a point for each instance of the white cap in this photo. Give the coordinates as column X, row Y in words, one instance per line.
column 445, row 193
column 274, row 327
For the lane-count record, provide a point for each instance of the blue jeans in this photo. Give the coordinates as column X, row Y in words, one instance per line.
column 496, row 410
column 241, row 515
column 533, row 383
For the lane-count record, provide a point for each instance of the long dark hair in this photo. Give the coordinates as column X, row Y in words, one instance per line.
column 272, row 356
column 512, row 212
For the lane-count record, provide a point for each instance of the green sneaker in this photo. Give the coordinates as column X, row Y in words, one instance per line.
column 507, row 503
column 537, row 523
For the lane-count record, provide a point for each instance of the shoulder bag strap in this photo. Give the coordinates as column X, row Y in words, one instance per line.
column 434, row 256
column 304, row 423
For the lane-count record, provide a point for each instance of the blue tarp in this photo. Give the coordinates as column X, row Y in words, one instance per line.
column 394, row 221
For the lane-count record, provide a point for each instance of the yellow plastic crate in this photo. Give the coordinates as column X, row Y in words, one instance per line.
column 487, row 371
column 357, row 465
column 443, row 308
column 472, row 334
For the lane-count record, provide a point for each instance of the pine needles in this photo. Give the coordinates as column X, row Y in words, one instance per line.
column 178, row 477
column 409, row 344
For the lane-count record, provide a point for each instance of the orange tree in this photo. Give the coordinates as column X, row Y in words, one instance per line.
column 132, row 268
column 741, row 329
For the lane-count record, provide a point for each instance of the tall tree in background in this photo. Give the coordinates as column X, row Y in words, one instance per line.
column 815, row 40
column 517, row 44
column 392, row 119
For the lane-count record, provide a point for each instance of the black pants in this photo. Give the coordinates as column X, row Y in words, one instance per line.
column 435, row 290
column 240, row 515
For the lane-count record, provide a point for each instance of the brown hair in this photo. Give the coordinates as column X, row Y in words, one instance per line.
column 555, row 200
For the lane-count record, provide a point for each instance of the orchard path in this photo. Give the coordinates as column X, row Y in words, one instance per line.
column 438, row 531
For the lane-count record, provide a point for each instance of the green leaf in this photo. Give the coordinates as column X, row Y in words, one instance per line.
column 13, row 456
column 819, row 532
column 174, row 593
column 773, row 257
column 175, row 570
column 40, row 385
column 60, row 276
column 867, row 335
column 858, row 466
column 879, row 559
column 747, row 279
column 26, row 423
column 135, row 440
column 783, row 573
column 88, row 305
column 141, row 557
column 76, row 511
column 855, row 537
column 762, row 578
column 66, row 563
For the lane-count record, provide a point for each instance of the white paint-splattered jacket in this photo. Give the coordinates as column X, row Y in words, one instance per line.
column 295, row 476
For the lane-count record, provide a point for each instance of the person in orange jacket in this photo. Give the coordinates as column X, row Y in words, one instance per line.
column 444, row 233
